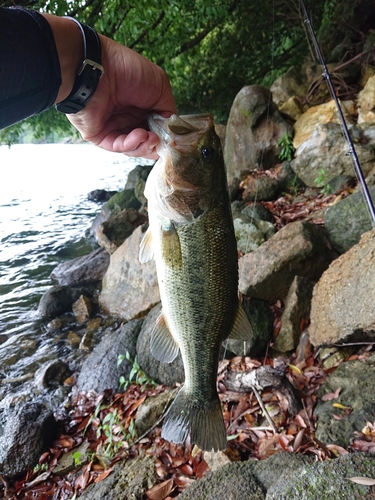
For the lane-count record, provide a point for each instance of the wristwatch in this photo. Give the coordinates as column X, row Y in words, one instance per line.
column 89, row 74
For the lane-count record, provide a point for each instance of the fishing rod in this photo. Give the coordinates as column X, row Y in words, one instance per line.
column 352, row 151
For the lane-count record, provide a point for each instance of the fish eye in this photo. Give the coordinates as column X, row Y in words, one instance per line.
column 207, row 153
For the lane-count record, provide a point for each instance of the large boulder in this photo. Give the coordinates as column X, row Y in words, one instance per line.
column 24, row 436
column 130, row 289
column 342, row 308
column 88, row 268
column 325, row 150
column 298, row 249
column 347, row 220
column 253, row 130
column 101, row 371
column 323, row 113
column 366, row 102
column 354, row 382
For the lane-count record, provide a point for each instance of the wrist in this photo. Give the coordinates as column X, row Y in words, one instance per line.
column 69, row 44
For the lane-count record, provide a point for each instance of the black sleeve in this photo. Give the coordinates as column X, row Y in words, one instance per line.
column 30, row 75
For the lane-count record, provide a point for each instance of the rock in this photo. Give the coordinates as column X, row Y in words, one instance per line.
column 152, row 409
column 298, row 249
column 347, row 220
column 355, row 378
column 261, row 320
column 340, row 183
column 233, row 481
column 139, row 173
column 163, row 373
column 342, row 308
column 326, row 150
column 316, row 115
column 248, row 235
column 129, row 480
column 129, row 289
column 114, row 231
column 123, row 199
column 25, row 435
column 82, row 309
column 88, row 268
column 288, row 179
column 253, row 130
column 257, row 211
column 293, row 108
column 366, row 102
column 289, row 85
column 59, row 299
column 52, row 375
column 260, row 187
column 100, row 195
column 297, row 309
column 67, row 461
column 328, row 479
column 100, row 371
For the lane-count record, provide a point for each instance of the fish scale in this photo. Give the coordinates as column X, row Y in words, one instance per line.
column 191, row 238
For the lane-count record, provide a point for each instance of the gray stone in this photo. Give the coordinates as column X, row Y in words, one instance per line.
column 233, row 481
column 88, row 268
column 114, row 231
column 298, row 249
column 59, row 299
column 253, row 130
column 129, row 481
column 100, row 371
column 248, row 236
column 52, row 375
column 327, row 480
column 347, row 220
column 342, row 308
column 325, row 149
column 290, row 84
column 260, row 188
column 140, row 172
column 152, row 409
column 164, row 373
column 297, row 308
column 25, row 435
column 129, row 289
column 257, row 211
column 355, row 378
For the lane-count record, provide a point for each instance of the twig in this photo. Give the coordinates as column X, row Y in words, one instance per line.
column 269, row 419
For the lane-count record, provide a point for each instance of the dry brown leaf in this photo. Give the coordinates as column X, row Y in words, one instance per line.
column 366, row 481
column 160, row 491
column 331, row 395
column 103, row 475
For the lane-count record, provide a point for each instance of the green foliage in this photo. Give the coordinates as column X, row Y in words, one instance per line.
column 209, row 50
column 287, row 148
column 321, row 182
column 137, row 375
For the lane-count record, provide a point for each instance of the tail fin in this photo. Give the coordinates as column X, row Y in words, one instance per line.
column 204, row 422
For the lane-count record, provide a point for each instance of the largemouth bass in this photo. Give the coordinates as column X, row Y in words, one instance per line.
column 191, row 238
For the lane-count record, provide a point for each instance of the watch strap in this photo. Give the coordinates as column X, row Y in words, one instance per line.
column 89, row 74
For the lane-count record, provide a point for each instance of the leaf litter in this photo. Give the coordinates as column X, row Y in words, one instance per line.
column 106, row 422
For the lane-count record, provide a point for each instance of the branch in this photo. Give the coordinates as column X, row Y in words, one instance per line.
column 146, row 31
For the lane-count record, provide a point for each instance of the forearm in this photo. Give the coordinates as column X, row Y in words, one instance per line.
column 69, row 45
column 39, row 64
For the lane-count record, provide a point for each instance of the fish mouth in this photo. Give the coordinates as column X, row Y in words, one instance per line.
column 181, row 133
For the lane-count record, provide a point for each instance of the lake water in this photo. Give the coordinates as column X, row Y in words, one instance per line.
column 45, row 217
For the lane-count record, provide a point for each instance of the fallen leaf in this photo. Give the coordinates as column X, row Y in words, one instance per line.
column 332, row 395
column 160, row 491
column 366, row 481
column 341, row 407
column 103, row 475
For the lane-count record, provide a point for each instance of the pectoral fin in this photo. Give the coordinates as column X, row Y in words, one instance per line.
column 146, row 251
column 241, row 329
column 171, row 248
column 163, row 346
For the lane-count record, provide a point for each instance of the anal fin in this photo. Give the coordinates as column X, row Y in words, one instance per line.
column 241, row 329
column 163, row 346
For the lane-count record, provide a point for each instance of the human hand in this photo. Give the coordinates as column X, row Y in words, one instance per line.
column 115, row 118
